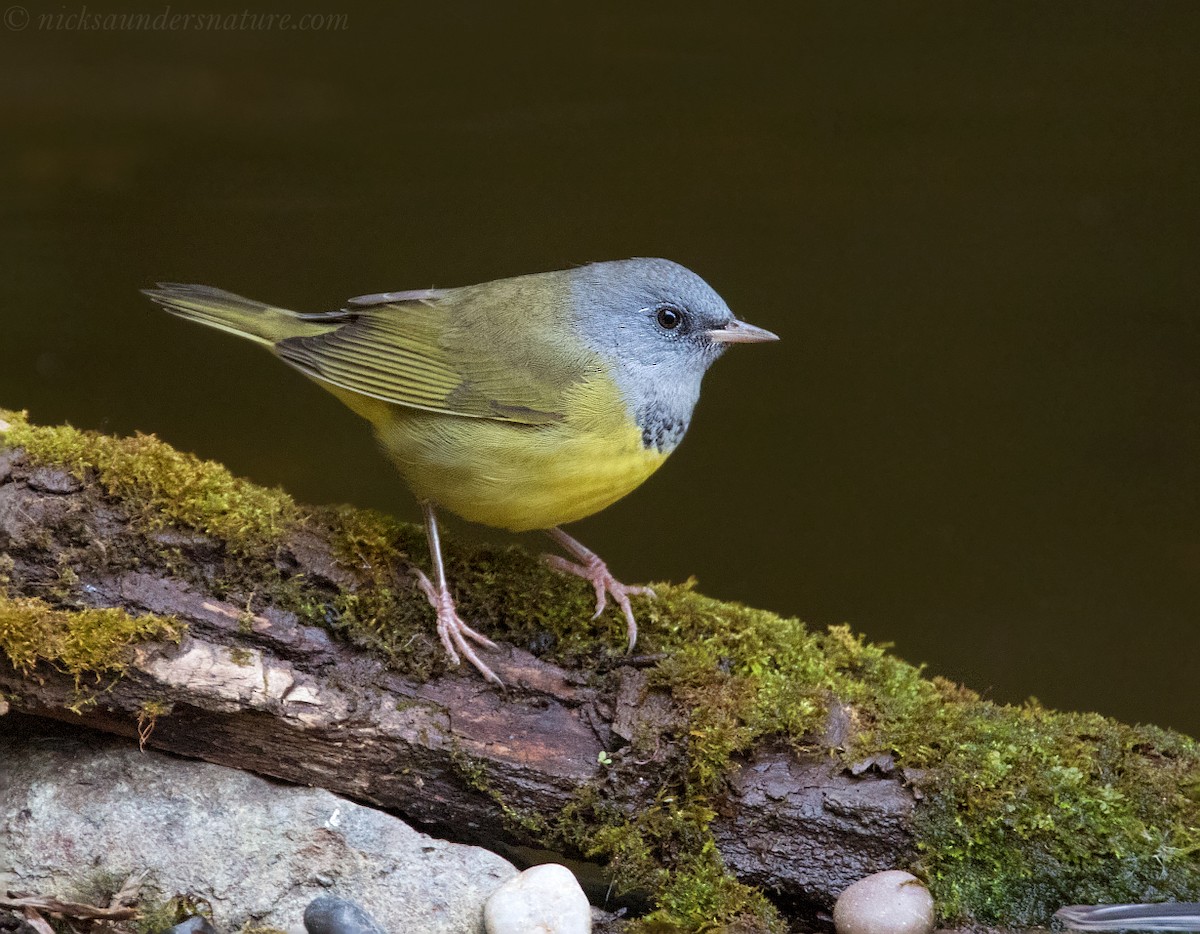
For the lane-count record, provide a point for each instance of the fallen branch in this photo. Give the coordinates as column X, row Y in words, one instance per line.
column 290, row 642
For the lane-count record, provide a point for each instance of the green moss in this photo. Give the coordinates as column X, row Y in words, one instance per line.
column 392, row 625
column 153, row 709
column 63, row 588
column 665, row 851
column 161, row 484
column 147, row 718
column 371, row 542
column 156, row 915
column 628, row 847
column 698, row 895
column 241, row 657
column 513, row 593
column 1032, row 809
column 378, row 612
column 88, row 642
column 97, row 888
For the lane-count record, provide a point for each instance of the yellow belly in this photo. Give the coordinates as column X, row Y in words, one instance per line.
column 514, row 476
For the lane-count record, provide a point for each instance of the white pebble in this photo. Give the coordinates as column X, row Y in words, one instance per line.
column 543, row 899
column 891, row 902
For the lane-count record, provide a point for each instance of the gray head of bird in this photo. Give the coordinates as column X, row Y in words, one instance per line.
column 660, row 327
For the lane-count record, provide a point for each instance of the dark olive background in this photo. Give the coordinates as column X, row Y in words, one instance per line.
column 975, row 225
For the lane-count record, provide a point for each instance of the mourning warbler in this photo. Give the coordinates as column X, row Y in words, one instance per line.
column 523, row 403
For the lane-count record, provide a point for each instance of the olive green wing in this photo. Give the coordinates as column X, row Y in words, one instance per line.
column 441, row 352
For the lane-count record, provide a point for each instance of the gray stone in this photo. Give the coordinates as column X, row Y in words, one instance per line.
column 53, row 480
column 329, row 915
column 196, row 924
column 545, row 899
column 259, row 852
column 7, row 460
column 890, row 902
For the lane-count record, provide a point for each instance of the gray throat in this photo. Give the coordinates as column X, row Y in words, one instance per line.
column 662, row 427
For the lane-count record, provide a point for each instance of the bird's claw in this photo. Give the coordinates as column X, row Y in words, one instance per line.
column 597, row 574
column 453, row 632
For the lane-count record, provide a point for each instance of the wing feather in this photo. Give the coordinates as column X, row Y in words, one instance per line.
column 420, row 352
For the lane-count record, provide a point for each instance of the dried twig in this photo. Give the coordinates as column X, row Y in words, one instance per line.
column 37, row 903
column 36, row 921
column 128, row 893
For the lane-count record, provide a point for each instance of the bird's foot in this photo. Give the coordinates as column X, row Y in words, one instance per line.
column 595, row 571
column 453, row 631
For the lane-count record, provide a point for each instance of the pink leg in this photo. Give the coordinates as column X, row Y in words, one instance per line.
column 453, row 631
column 592, row 569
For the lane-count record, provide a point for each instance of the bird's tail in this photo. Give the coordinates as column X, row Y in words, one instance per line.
column 263, row 324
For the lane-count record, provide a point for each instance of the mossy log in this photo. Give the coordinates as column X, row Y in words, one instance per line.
column 742, row 772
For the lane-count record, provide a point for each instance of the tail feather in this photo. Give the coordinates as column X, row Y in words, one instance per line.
column 245, row 317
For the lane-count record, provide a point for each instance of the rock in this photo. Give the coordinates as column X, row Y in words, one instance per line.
column 257, row 851
column 329, row 915
column 890, row 902
column 13, row 923
column 543, row 899
column 196, row 924
column 7, row 460
column 53, row 480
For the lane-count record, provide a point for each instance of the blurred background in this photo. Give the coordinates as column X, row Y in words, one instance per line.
column 976, row 227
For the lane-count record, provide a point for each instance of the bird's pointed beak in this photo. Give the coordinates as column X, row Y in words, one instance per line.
column 739, row 332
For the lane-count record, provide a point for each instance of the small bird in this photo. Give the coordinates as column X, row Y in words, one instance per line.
column 523, row 403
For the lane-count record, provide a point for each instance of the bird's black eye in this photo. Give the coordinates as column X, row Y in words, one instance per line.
column 669, row 318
